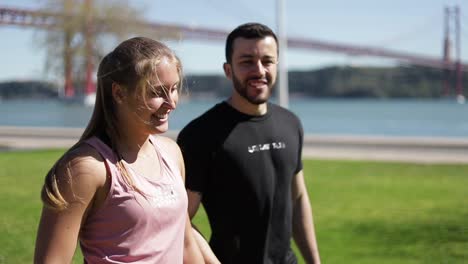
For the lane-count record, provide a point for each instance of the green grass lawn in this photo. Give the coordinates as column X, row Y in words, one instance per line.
column 365, row 212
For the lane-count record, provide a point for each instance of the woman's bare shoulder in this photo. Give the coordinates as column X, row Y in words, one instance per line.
column 169, row 145
column 81, row 170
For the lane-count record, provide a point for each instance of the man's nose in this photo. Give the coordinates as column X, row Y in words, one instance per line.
column 259, row 68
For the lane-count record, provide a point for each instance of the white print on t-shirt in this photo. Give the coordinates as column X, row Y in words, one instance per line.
column 268, row 146
column 163, row 196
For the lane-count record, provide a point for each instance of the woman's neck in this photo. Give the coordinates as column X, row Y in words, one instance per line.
column 131, row 146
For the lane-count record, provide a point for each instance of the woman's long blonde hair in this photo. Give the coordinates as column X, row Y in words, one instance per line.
column 132, row 64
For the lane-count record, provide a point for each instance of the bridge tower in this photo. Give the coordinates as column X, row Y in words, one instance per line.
column 69, row 89
column 89, row 91
column 90, row 87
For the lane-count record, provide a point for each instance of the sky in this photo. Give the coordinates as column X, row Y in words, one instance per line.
column 412, row 26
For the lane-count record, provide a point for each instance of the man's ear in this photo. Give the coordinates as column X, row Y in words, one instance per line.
column 227, row 70
column 118, row 93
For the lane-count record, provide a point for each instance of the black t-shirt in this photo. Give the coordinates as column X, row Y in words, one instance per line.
column 244, row 165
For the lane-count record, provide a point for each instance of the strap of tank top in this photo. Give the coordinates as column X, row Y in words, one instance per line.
column 102, row 148
column 169, row 164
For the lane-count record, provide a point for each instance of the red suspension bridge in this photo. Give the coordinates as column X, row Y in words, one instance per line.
column 51, row 21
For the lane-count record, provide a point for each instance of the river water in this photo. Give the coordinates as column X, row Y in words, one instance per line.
column 375, row 117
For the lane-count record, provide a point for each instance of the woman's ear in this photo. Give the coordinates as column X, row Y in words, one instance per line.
column 118, row 93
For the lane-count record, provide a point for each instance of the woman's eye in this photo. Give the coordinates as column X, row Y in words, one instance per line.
column 153, row 93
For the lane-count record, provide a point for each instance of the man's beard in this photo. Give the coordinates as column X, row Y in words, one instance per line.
column 242, row 88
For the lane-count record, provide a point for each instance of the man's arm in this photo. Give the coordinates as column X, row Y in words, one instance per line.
column 303, row 223
column 194, row 200
column 192, row 252
column 205, row 248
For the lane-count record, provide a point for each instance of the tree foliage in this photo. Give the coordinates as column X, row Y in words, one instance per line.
column 101, row 22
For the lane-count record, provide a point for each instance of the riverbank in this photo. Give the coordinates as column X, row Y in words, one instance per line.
column 402, row 149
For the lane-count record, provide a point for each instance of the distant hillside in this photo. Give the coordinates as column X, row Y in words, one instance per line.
column 27, row 89
column 376, row 82
column 348, row 82
column 391, row 82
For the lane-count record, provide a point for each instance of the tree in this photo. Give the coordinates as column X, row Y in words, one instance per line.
column 83, row 32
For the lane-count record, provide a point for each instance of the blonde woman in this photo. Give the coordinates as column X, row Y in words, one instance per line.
column 120, row 190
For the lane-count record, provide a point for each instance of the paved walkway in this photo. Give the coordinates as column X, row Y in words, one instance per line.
column 402, row 149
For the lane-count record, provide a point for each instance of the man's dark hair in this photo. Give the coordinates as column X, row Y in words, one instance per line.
column 248, row 31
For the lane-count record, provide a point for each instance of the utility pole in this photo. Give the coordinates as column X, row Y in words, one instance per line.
column 458, row 85
column 446, row 52
column 452, row 15
column 283, row 91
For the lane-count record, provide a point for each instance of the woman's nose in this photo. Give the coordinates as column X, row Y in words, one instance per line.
column 171, row 100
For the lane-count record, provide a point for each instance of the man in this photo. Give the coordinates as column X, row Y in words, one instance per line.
column 243, row 161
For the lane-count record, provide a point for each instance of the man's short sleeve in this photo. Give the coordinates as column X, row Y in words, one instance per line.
column 196, row 158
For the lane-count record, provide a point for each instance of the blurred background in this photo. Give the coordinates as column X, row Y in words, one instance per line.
column 363, row 68
column 370, row 80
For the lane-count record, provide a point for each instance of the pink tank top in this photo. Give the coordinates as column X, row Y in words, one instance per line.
column 131, row 228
